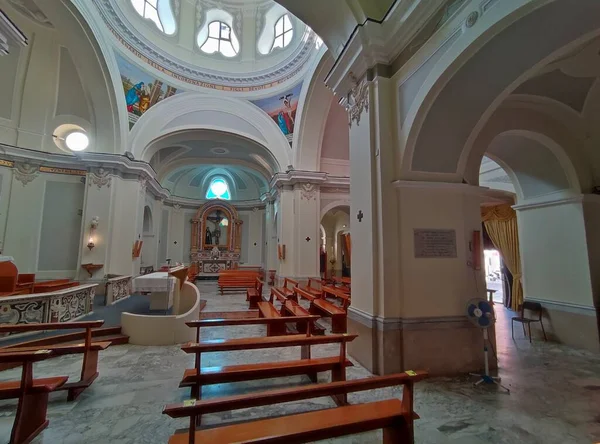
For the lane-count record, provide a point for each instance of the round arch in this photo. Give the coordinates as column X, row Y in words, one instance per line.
column 194, row 111
column 315, row 102
column 501, row 45
column 333, row 205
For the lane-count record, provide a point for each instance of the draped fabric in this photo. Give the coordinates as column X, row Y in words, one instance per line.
column 501, row 225
column 348, row 243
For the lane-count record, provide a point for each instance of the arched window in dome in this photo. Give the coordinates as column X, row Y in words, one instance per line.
column 218, row 189
column 158, row 11
column 220, row 38
column 284, row 31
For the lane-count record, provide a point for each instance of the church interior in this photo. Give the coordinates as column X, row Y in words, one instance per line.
column 281, row 221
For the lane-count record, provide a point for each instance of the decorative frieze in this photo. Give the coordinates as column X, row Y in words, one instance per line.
column 308, row 191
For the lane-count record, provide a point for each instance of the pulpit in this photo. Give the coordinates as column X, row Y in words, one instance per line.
column 216, row 238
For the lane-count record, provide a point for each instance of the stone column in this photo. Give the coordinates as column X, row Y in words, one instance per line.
column 307, row 215
column 271, row 261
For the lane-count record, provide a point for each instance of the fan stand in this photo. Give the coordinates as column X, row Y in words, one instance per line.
column 485, row 377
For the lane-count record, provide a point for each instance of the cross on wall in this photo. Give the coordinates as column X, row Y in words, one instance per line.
column 360, row 215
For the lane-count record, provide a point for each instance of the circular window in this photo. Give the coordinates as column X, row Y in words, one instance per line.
column 77, row 141
column 218, row 189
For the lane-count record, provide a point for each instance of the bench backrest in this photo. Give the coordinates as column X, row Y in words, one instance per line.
column 287, row 281
column 236, row 402
column 222, row 345
column 304, row 294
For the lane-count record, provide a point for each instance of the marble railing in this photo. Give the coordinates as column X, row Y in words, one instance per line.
column 117, row 288
column 57, row 306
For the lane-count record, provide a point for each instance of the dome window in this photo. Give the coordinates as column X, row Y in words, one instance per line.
column 159, row 12
column 284, row 32
column 221, row 39
column 218, row 189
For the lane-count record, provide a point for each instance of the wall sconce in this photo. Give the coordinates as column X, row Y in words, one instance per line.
column 93, row 226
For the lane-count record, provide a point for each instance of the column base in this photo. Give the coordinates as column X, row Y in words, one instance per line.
column 559, row 321
column 441, row 345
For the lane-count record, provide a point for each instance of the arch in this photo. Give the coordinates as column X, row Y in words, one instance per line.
column 451, row 109
column 553, row 134
column 147, row 224
column 535, row 163
column 315, row 101
column 333, row 205
column 197, row 111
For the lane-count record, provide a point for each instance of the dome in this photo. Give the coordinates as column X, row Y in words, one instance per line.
column 242, row 46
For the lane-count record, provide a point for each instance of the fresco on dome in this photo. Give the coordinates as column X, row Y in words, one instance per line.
column 282, row 109
column 142, row 91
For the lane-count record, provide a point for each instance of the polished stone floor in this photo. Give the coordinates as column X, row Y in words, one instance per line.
column 554, row 398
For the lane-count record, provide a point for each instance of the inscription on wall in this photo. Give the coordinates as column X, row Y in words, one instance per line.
column 434, row 243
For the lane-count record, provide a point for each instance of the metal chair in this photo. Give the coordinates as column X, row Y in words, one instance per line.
column 533, row 307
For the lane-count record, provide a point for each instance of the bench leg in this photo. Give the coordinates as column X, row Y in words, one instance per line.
column 338, row 324
column 398, row 433
column 338, row 373
column 305, row 354
column 89, row 373
column 31, row 417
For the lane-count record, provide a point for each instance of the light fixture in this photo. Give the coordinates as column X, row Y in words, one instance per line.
column 77, row 141
column 343, row 226
column 93, row 225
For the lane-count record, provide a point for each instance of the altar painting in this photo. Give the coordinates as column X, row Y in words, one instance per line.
column 282, row 109
column 142, row 91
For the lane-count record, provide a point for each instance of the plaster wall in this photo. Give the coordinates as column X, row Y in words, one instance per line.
column 554, row 254
column 25, row 223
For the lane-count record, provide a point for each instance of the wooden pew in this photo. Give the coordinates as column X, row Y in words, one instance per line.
column 254, row 295
column 89, row 349
column 271, row 397
column 276, row 294
column 200, row 376
column 292, row 308
column 236, row 280
column 338, row 316
column 287, row 289
column 304, row 294
column 198, row 324
column 268, row 310
column 313, row 289
column 32, row 393
column 334, row 292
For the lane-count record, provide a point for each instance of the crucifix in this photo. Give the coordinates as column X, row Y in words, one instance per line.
column 216, row 219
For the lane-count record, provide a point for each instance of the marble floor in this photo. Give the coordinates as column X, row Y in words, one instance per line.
column 554, row 398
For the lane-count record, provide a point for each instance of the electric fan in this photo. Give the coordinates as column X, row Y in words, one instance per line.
column 481, row 314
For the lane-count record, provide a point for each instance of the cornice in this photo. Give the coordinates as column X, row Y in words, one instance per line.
column 378, row 43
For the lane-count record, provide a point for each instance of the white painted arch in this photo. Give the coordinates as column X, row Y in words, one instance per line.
column 198, row 111
column 333, row 205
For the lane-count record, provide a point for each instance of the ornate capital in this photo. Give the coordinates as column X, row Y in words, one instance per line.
column 25, row 172
column 308, row 191
column 100, row 177
column 358, row 99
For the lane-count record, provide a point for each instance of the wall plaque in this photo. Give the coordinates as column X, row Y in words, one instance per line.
column 434, row 243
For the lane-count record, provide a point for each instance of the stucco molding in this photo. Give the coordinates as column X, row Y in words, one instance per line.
column 25, row 172
column 100, row 177
column 358, row 100
column 565, row 306
column 550, row 200
column 397, row 323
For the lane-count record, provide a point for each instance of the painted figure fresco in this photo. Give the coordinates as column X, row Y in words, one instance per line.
column 282, row 109
column 142, row 91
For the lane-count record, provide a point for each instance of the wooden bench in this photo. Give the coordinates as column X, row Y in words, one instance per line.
column 32, row 393
column 229, row 403
column 336, row 293
column 304, row 294
column 327, row 309
column 268, row 310
column 277, row 295
column 311, row 287
column 310, row 319
column 236, row 280
column 254, row 295
column 292, row 308
column 89, row 349
column 200, row 376
column 286, row 290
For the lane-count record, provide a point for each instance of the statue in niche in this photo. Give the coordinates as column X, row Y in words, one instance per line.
column 208, row 237
column 217, row 235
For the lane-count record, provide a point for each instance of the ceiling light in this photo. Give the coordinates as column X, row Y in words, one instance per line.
column 77, row 141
